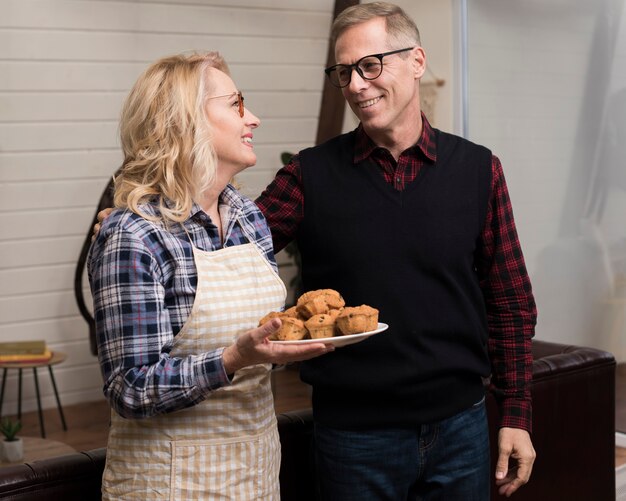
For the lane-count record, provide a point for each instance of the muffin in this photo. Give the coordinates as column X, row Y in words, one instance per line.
column 318, row 301
column 335, row 313
column 355, row 320
column 269, row 316
column 292, row 329
column 290, row 312
column 320, row 326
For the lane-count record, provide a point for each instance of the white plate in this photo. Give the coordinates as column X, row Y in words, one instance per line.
column 339, row 340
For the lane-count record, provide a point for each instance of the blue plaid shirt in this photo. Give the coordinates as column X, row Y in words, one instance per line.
column 143, row 281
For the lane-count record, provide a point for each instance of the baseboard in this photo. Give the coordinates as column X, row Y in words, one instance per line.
column 620, row 439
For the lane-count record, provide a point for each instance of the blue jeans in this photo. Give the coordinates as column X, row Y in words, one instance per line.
column 446, row 461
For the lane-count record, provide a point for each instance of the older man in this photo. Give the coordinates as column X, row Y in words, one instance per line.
column 417, row 223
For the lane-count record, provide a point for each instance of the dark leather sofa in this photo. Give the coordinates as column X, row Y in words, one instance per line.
column 574, row 436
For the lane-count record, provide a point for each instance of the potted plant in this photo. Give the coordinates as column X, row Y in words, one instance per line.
column 12, row 445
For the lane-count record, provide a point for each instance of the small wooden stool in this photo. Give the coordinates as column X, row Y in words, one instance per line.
column 57, row 358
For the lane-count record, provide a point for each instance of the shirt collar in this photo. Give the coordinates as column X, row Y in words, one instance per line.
column 426, row 144
column 229, row 196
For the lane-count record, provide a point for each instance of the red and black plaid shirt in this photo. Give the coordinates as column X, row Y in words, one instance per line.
column 511, row 311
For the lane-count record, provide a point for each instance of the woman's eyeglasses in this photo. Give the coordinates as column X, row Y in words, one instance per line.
column 239, row 101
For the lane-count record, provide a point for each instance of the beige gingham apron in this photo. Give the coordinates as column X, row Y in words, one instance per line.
column 227, row 447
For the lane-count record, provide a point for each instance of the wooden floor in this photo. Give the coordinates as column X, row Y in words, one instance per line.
column 88, row 423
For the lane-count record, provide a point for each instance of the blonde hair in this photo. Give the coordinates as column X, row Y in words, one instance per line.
column 401, row 30
column 166, row 137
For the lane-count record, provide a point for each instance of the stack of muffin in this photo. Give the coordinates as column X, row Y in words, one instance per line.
column 322, row 314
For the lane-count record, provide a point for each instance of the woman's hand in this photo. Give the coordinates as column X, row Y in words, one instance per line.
column 102, row 215
column 253, row 348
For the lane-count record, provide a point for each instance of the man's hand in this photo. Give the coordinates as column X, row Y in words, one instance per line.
column 102, row 215
column 515, row 449
column 253, row 347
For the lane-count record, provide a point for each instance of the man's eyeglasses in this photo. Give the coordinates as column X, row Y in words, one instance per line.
column 239, row 101
column 368, row 67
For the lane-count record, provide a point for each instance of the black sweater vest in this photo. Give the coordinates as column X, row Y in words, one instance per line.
column 411, row 255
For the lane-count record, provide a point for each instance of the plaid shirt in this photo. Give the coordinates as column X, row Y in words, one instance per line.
column 511, row 310
column 143, row 280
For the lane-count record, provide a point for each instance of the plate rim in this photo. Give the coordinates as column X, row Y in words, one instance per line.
column 335, row 339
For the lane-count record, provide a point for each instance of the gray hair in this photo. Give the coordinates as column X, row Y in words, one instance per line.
column 401, row 29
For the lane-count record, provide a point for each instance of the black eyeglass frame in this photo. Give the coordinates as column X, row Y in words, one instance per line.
column 355, row 66
column 239, row 95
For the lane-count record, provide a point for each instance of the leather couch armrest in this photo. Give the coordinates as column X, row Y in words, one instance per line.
column 573, row 392
column 297, row 464
column 554, row 358
column 71, row 477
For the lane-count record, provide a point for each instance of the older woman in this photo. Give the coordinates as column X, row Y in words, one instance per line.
column 181, row 273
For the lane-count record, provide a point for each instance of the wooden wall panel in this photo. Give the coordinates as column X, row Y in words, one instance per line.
column 65, row 69
column 132, row 17
column 303, row 5
column 49, row 194
column 57, row 106
column 46, row 76
column 25, row 308
column 56, row 331
column 31, row 223
column 39, row 252
column 54, row 136
column 36, row 279
column 99, row 105
column 146, row 47
column 55, row 165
